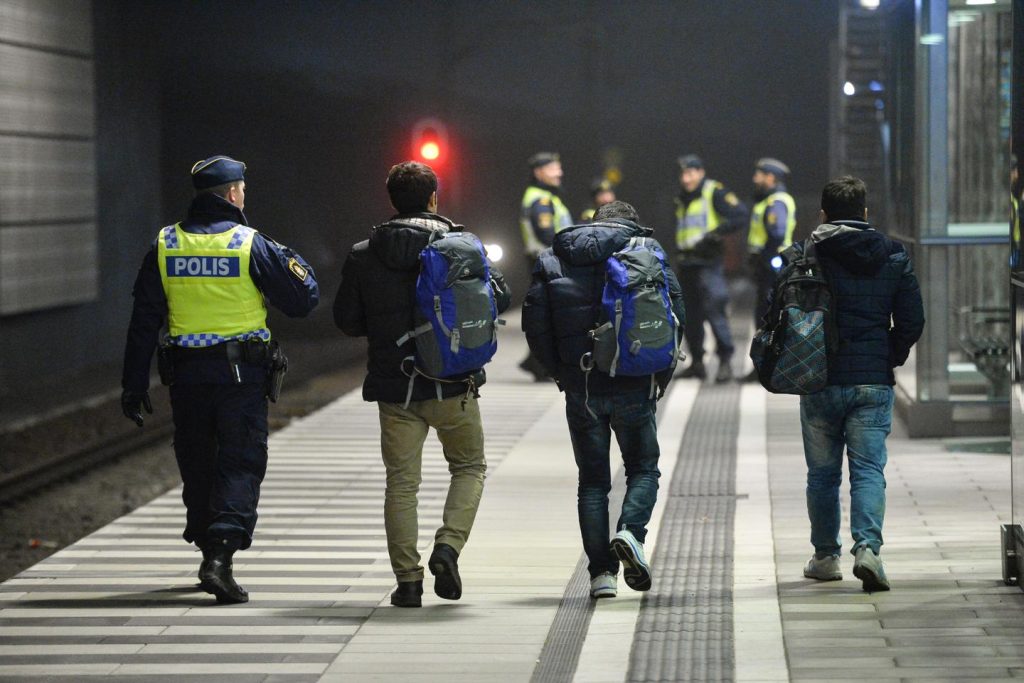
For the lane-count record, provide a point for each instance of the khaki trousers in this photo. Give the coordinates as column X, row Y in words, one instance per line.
column 402, row 433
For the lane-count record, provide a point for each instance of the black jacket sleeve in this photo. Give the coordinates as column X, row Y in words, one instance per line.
column 537, row 323
column 285, row 279
column 734, row 213
column 907, row 316
column 349, row 311
column 149, row 312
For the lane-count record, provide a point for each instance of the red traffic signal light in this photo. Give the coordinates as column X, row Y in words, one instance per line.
column 430, row 141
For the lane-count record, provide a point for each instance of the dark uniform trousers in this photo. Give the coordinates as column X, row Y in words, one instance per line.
column 220, row 442
column 706, row 294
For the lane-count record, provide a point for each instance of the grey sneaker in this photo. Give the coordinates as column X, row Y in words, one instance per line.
column 604, row 585
column 868, row 568
column 823, row 569
column 630, row 552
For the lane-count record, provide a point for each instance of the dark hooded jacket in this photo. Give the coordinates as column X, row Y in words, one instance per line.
column 377, row 299
column 878, row 304
column 564, row 304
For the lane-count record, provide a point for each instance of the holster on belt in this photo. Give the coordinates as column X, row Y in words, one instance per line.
column 277, row 368
column 165, row 364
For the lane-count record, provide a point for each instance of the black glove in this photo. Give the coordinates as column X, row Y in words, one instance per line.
column 710, row 246
column 755, row 263
column 132, row 403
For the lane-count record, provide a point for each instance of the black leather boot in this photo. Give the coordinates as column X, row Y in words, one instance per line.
column 206, row 567
column 220, row 582
column 444, row 565
column 408, row 594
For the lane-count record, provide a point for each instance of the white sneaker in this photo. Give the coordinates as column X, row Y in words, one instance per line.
column 824, row 568
column 630, row 552
column 604, row 586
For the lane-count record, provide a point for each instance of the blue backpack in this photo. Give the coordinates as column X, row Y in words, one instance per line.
column 456, row 316
column 640, row 333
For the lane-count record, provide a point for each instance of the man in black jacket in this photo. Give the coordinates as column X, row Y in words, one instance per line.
column 377, row 300
column 879, row 315
column 562, row 306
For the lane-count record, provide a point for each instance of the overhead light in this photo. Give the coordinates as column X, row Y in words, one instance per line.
column 981, row 2
column 848, row 88
column 875, row 86
column 870, row 4
column 932, row 39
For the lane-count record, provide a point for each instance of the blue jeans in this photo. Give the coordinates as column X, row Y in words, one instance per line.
column 858, row 417
column 631, row 417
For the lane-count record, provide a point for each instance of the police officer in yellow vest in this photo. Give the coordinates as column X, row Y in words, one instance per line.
column 705, row 212
column 601, row 192
column 204, row 281
column 772, row 222
column 542, row 213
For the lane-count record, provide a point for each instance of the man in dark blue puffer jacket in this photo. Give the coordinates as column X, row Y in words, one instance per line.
column 562, row 306
column 879, row 315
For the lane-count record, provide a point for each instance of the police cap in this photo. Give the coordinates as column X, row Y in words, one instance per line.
column 218, row 170
column 690, row 161
column 773, row 166
column 601, row 185
column 542, row 159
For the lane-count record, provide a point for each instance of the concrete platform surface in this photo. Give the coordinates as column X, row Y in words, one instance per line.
column 123, row 602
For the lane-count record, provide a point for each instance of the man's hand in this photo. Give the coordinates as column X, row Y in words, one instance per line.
column 132, row 403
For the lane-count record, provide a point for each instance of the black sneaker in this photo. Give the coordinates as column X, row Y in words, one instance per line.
column 444, row 565
column 696, row 370
column 408, row 594
column 724, row 373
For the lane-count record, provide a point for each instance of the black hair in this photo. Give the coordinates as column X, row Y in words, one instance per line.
column 410, row 185
column 844, row 199
column 617, row 209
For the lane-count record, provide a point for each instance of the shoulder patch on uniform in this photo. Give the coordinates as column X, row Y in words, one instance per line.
column 771, row 218
column 731, row 199
column 297, row 269
column 544, row 201
column 545, row 220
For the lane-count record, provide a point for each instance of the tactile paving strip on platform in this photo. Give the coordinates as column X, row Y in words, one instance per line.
column 684, row 631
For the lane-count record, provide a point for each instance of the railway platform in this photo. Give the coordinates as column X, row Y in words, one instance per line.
column 727, row 546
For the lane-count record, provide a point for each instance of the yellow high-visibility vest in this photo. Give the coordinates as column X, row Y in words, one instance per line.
column 758, row 235
column 562, row 218
column 211, row 297
column 697, row 218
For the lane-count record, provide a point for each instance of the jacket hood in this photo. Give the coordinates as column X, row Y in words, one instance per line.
column 593, row 243
column 855, row 245
column 399, row 241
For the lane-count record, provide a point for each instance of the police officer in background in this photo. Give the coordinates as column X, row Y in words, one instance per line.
column 601, row 192
column 206, row 279
column 772, row 222
column 705, row 212
column 542, row 214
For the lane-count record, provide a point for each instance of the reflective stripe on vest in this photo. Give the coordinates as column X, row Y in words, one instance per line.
column 758, row 235
column 698, row 218
column 211, row 297
column 561, row 220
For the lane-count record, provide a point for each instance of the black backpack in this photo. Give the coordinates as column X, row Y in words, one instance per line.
column 792, row 345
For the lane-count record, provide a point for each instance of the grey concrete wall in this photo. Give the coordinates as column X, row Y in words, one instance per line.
column 56, row 346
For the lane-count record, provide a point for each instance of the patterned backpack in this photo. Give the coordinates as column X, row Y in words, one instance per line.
column 797, row 335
